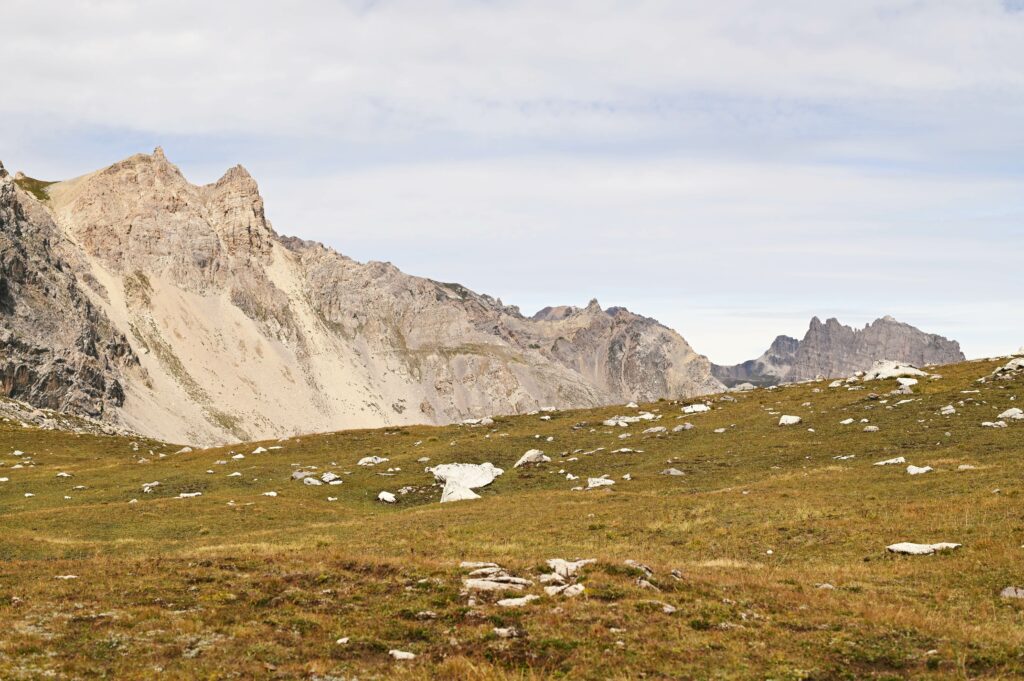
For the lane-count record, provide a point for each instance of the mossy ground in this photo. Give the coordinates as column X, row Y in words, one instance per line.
column 262, row 588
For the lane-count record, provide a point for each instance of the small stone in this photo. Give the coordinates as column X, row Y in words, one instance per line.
column 401, row 655
column 1012, row 592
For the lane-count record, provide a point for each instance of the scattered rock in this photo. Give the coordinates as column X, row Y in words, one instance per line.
column 387, row 497
column 892, row 462
column 789, row 420
column 919, row 470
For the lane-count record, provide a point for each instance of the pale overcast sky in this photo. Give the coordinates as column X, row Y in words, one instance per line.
column 730, row 168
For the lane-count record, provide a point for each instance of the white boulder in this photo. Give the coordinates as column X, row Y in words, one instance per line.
column 532, row 456
column 913, row 549
column 888, row 368
column 454, row 491
column 787, row 420
column 401, row 655
column 567, row 569
column 603, row 481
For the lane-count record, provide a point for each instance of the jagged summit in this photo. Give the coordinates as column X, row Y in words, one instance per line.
column 832, row 349
column 195, row 321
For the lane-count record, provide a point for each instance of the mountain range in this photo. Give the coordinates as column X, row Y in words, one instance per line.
column 832, row 349
column 135, row 297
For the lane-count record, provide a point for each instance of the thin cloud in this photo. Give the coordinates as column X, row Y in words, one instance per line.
column 790, row 156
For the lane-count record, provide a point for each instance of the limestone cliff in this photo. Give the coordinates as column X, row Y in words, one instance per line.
column 177, row 310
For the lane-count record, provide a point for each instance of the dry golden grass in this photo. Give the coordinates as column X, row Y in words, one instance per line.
column 262, row 588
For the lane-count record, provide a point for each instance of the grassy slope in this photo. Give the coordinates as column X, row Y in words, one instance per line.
column 35, row 187
column 198, row 588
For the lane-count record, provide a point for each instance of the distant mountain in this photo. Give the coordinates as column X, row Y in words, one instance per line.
column 133, row 296
column 832, row 349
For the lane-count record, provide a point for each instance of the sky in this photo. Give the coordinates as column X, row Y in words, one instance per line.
column 729, row 168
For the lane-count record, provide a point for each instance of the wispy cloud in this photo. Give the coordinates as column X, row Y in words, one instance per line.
column 780, row 157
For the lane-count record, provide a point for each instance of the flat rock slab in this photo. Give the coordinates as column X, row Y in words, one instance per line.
column 912, row 549
column 517, row 602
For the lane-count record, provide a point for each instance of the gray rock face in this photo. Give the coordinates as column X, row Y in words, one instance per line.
column 57, row 350
column 176, row 310
column 832, row 349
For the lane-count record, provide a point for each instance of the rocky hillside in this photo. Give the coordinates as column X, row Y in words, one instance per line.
column 130, row 294
column 832, row 349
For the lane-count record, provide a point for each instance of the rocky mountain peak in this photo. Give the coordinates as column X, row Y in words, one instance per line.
column 3, row 171
column 834, row 349
column 555, row 313
column 239, row 333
